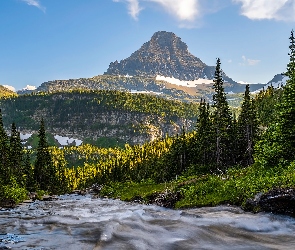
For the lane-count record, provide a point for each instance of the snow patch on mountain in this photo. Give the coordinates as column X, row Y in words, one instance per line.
column 278, row 81
column 24, row 136
column 65, row 141
column 9, row 87
column 134, row 91
column 29, row 87
column 190, row 84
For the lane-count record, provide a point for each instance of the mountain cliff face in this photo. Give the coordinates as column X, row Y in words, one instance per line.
column 166, row 55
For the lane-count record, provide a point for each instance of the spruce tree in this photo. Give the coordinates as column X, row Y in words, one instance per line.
column 44, row 171
column 222, row 123
column 247, row 130
column 16, row 154
column 203, row 145
column 277, row 145
column 5, row 170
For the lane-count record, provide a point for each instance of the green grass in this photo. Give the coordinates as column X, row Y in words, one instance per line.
column 129, row 191
column 234, row 187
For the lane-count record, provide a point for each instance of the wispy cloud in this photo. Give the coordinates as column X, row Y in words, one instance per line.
column 35, row 3
column 250, row 62
column 183, row 10
column 133, row 7
column 268, row 9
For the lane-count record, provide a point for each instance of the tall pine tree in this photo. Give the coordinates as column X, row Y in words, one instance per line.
column 278, row 142
column 203, row 143
column 222, row 123
column 5, row 169
column 247, row 130
column 44, row 171
column 16, row 155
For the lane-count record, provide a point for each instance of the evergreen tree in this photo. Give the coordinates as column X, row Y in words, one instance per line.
column 29, row 173
column 203, row 141
column 247, row 130
column 16, row 154
column 5, row 170
column 222, row 123
column 278, row 142
column 286, row 119
column 44, row 171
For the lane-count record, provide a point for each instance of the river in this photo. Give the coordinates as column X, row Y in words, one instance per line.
column 81, row 222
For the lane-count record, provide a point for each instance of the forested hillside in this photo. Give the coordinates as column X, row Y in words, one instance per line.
column 132, row 118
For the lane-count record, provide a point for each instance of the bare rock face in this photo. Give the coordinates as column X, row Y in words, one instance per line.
column 165, row 54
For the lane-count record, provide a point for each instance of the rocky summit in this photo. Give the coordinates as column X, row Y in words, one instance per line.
column 166, row 55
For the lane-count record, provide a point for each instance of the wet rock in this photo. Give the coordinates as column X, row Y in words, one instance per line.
column 7, row 203
column 49, row 198
column 33, row 195
column 95, row 188
column 252, row 205
column 278, row 201
column 166, row 199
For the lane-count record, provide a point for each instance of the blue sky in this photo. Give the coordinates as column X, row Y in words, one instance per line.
column 44, row 40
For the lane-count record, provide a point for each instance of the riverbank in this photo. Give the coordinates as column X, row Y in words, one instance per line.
column 254, row 189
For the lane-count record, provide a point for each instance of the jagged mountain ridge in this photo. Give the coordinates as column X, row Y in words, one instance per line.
column 166, row 55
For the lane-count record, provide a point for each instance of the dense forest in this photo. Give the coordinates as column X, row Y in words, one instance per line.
column 91, row 115
column 225, row 159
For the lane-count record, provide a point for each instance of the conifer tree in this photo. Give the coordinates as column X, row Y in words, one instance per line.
column 16, row 154
column 5, row 170
column 44, row 171
column 203, row 145
column 247, row 130
column 222, row 122
column 28, row 172
column 278, row 142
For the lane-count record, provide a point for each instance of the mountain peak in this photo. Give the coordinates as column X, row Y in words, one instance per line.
column 164, row 54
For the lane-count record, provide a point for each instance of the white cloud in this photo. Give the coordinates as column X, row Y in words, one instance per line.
column 35, row 3
column 9, row 87
column 133, row 7
column 250, row 62
column 183, row 10
column 268, row 9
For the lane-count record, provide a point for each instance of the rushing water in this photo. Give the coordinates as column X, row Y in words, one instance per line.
column 77, row 222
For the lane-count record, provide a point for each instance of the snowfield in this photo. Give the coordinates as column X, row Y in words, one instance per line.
column 190, row 84
column 65, row 141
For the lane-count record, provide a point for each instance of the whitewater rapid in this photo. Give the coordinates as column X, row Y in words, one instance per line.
column 81, row 222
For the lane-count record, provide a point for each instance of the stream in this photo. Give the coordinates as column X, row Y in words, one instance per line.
column 81, row 222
